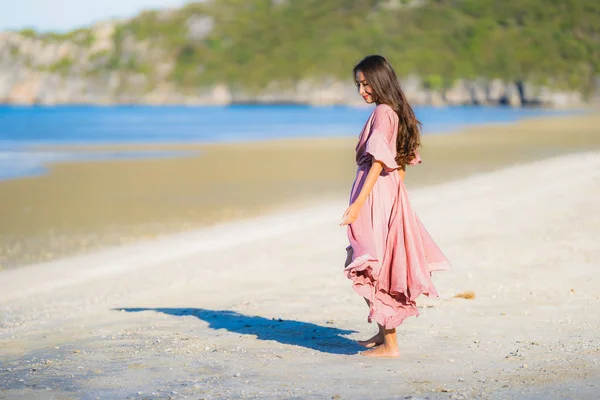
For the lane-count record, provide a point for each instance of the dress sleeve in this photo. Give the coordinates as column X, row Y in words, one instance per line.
column 382, row 139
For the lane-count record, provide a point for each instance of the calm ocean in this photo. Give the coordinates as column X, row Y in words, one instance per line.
column 24, row 128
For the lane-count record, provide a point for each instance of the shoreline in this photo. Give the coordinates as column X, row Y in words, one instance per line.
column 79, row 207
column 74, row 152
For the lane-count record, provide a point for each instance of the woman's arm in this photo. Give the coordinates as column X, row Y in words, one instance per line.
column 351, row 212
column 402, row 173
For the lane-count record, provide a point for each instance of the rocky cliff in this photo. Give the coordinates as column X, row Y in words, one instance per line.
column 111, row 63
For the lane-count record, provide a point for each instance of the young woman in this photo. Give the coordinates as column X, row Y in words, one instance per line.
column 391, row 255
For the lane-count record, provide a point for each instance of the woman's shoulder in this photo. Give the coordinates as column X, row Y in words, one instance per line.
column 383, row 108
column 384, row 111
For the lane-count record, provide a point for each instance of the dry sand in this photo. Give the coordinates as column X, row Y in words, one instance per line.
column 259, row 308
column 78, row 207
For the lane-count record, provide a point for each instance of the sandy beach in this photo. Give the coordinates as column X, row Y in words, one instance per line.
column 258, row 306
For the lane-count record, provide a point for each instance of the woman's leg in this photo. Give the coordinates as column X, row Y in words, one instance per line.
column 389, row 348
column 377, row 339
column 349, row 256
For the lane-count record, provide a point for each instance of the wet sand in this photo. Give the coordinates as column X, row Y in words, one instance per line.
column 81, row 206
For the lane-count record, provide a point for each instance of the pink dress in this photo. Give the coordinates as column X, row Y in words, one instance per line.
column 393, row 255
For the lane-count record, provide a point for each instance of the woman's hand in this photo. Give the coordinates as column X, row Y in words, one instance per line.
column 351, row 214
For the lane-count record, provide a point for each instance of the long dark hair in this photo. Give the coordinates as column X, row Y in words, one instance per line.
column 386, row 90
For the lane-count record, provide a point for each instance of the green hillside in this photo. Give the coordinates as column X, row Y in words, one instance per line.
column 250, row 44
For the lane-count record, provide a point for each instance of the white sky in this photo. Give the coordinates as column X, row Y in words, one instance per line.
column 65, row 15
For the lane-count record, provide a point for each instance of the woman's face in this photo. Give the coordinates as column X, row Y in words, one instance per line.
column 364, row 89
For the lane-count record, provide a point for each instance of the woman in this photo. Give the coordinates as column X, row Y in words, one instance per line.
column 391, row 255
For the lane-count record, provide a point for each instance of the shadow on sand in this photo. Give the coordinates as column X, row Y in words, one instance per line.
column 321, row 338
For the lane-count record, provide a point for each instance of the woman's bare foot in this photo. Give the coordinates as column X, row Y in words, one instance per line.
column 373, row 342
column 382, row 351
column 389, row 346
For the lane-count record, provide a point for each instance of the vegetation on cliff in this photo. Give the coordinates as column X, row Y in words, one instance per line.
column 251, row 44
